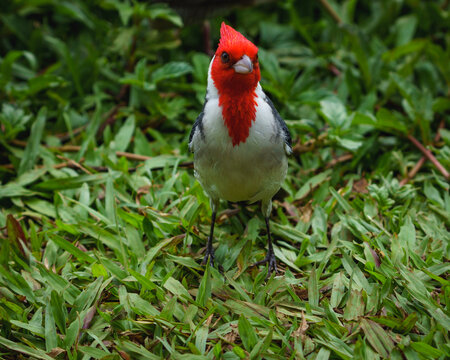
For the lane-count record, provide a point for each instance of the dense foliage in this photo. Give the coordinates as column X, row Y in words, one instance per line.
column 103, row 225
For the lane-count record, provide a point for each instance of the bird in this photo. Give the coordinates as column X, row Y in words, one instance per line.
column 239, row 140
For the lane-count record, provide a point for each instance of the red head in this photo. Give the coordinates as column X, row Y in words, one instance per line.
column 235, row 73
column 235, row 67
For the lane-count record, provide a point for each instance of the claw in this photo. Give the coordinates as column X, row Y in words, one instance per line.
column 211, row 259
column 271, row 262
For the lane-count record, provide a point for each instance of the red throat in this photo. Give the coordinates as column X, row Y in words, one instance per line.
column 237, row 95
column 238, row 115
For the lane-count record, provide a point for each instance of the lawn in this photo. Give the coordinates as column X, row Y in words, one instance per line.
column 103, row 225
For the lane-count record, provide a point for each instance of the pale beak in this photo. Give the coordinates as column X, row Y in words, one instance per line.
column 243, row 66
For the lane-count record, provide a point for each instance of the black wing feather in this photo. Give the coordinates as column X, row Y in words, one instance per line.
column 281, row 123
column 198, row 124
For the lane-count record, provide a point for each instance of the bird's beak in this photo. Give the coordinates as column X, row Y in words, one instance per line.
column 243, row 66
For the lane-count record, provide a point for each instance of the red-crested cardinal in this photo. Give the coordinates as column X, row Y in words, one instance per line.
column 239, row 140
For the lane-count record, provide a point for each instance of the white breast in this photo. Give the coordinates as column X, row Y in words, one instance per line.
column 251, row 171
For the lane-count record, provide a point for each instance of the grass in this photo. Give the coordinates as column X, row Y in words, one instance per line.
column 103, row 225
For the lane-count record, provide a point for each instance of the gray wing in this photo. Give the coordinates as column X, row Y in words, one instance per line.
column 198, row 126
column 282, row 125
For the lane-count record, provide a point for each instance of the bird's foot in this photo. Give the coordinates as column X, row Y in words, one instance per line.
column 271, row 263
column 209, row 256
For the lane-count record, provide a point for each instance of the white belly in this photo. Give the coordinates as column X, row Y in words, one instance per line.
column 251, row 171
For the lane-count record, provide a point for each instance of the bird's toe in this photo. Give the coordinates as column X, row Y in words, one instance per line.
column 209, row 257
column 271, row 264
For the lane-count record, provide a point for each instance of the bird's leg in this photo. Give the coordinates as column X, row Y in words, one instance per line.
column 209, row 247
column 270, row 254
column 270, row 257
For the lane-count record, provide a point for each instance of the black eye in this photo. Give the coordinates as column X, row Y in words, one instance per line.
column 225, row 57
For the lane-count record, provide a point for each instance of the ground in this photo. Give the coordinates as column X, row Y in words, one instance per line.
column 103, row 226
